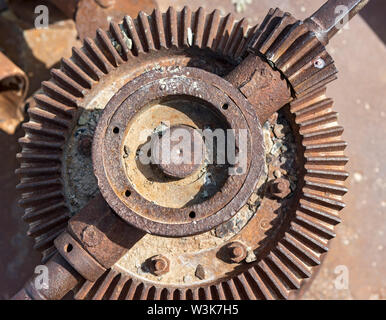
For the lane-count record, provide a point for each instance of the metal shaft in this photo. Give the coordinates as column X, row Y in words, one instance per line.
column 332, row 16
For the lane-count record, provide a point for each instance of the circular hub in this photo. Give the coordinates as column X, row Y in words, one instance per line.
column 177, row 151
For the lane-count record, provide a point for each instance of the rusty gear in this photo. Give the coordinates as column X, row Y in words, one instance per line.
column 296, row 240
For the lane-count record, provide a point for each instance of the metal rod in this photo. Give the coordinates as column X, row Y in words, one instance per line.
column 332, row 16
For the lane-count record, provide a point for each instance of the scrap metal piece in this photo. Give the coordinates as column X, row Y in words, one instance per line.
column 280, row 188
column 293, row 49
column 237, row 252
column 13, row 89
column 298, row 242
column 113, row 131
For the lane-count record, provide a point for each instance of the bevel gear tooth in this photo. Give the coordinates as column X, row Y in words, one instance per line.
column 121, row 46
column 39, row 227
column 97, row 56
column 303, row 250
column 285, row 272
column 256, row 274
column 244, row 44
column 226, row 26
column 273, row 282
column 39, row 114
column 247, row 287
column 212, row 29
column 62, row 110
column 37, row 128
column 185, row 36
column 121, row 281
column 84, row 290
column 239, row 31
column 146, row 32
column 313, row 240
column 131, row 31
column 200, row 25
column 54, row 91
column 156, row 21
column 44, row 242
column 233, row 292
column 31, row 184
column 219, row 292
column 109, row 51
column 35, row 213
column 80, row 58
column 105, row 285
column 172, row 27
column 296, row 264
column 35, row 141
column 66, row 82
column 76, row 73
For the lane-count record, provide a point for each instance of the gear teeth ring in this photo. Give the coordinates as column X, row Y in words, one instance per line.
column 282, row 40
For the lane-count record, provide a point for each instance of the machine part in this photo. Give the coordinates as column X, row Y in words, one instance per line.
column 284, row 239
column 93, row 14
column 13, row 90
column 118, row 181
column 292, row 48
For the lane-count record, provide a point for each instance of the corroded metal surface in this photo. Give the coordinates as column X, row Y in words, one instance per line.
column 305, row 234
column 110, row 171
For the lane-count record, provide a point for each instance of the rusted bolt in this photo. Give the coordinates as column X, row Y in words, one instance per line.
column 84, row 145
column 280, row 188
column 200, row 272
column 159, row 265
column 105, row 3
column 91, row 237
column 237, row 252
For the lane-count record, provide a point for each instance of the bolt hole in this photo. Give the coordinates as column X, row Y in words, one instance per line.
column 68, row 248
column 192, row 215
column 225, row 106
column 116, row 130
column 128, row 193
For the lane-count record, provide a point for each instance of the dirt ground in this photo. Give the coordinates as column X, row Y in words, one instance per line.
column 360, row 98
